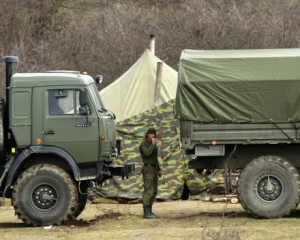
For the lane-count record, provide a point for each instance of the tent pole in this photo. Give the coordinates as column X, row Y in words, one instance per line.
column 152, row 44
column 158, row 83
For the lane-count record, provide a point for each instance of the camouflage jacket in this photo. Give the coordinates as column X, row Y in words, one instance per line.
column 149, row 153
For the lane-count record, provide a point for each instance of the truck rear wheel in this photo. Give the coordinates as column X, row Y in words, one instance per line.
column 45, row 195
column 269, row 187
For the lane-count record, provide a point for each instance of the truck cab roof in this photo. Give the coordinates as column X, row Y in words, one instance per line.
column 52, row 78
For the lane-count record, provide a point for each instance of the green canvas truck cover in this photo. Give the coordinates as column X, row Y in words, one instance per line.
column 241, row 86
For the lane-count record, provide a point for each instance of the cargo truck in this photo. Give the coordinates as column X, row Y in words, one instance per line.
column 239, row 110
column 57, row 142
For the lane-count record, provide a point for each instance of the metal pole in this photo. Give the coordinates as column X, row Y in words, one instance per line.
column 9, row 60
column 152, row 44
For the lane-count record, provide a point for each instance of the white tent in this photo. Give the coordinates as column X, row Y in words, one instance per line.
column 133, row 92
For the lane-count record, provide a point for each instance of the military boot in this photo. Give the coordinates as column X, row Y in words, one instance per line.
column 153, row 213
column 147, row 213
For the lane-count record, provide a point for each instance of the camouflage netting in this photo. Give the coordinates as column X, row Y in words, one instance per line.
column 173, row 163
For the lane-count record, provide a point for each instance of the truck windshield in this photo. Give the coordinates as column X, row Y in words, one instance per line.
column 96, row 97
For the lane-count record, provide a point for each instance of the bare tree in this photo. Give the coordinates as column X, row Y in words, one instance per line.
column 107, row 37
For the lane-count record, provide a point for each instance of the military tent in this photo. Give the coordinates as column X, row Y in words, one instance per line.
column 173, row 162
column 133, row 92
column 131, row 98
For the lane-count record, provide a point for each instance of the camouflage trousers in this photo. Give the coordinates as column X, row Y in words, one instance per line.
column 150, row 185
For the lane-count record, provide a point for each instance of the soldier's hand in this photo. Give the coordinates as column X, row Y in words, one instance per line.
column 159, row 174
column 153, row 140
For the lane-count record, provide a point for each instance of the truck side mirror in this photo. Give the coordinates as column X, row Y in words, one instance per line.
column 83, row 110
column 98, row 79
column 82, row 97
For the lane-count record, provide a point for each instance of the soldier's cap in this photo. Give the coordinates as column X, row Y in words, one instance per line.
column 151, row 131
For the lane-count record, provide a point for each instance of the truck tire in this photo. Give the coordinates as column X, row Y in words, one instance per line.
column 44, row 195
column 82, row 199
column 269, row 187
column 80, row 206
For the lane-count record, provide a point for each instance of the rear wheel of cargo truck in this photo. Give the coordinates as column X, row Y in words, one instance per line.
column 45, row 195
column 269, row 187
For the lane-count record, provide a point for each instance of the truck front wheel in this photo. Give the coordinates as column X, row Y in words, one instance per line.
column 82, row 199
column 269, row 187
column 45, row 195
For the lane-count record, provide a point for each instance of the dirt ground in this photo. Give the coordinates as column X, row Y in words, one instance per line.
column 179, row 220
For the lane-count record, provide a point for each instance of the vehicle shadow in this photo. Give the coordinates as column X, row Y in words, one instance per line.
column 75, row 222
column 13, row 225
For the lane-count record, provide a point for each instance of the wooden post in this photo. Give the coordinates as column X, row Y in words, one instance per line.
column 158, row 83
column 152, row 44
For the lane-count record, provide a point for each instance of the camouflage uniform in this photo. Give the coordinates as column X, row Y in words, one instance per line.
column 150, row 170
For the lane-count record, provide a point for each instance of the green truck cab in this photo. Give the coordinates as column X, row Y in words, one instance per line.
column 57, row 142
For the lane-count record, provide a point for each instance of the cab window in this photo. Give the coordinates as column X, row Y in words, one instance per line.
column 63, row 102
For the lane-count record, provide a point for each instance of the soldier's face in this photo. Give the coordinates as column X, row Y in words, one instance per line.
column 151, row 135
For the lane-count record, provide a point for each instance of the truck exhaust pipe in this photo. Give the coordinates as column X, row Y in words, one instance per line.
column 9, row 60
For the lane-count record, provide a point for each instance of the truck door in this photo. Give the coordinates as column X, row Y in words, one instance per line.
column 66, row 129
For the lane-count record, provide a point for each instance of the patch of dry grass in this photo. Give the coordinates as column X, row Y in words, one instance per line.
column 179, row 220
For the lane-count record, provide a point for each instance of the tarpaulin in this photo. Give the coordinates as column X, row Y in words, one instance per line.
column 239, row 85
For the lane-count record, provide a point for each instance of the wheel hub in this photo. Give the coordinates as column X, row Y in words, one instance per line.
column 269, row 187
column 44, row 197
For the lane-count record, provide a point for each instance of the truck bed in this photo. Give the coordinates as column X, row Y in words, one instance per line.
column 195, row 133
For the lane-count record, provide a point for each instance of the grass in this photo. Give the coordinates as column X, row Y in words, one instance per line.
column 179, row 220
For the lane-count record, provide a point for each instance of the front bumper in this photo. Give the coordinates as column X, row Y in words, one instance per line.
column 124, row 171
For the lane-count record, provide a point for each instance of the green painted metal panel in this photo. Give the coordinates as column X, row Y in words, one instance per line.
column 67, row 129
column 20, row 108
column 49, row 79
column 20, row 116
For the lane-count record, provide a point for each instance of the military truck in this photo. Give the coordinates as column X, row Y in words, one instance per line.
column 57, row 143
column 239, row 110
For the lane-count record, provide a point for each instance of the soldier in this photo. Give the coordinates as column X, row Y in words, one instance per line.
column 151, row 171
